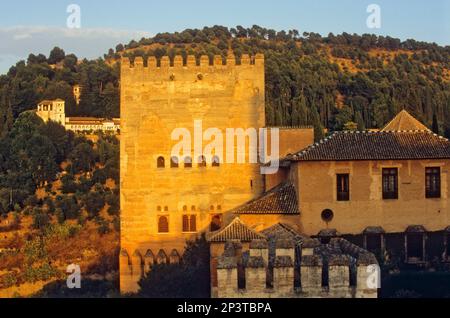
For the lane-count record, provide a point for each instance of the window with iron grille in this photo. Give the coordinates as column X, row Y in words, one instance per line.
column 433, row 182
column 343, row 187
column 390, row 183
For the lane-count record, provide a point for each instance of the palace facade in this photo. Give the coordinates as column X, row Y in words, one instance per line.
column 381, row 192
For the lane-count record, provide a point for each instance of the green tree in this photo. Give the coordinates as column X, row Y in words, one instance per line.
column 56, row 55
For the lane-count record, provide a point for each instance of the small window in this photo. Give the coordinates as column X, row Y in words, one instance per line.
column 390, row 183
column 433, row 183
column 188, row 162
column 216, row 161
column 174, row 162
column 343, row 188
column 161, row 163
column 189, row 223
column 202, row 162
column 216, row 222
column 163, row 224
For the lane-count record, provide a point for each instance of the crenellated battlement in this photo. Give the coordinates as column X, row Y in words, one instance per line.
column 191, row 62
column 338, row 269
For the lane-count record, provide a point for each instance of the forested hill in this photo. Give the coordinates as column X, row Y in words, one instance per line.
column 336, row 82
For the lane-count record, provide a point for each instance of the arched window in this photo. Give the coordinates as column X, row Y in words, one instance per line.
column 174, row 257
column 216, row 222
column 174, row 162
column 163, row 224
column 188, row 162
column 216, row 161
column 161, row 163
column 162, row 258
column 202, row 162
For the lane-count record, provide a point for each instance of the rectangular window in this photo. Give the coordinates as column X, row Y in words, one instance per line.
column 343, row 187
column 390, row 183
column 189, row 223
column 433, row 183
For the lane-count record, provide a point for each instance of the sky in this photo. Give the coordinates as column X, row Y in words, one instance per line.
column 37, row 26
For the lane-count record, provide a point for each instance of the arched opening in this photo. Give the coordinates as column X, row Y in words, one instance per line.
column 216, row 161
column 415, row 238
column 161, row 163
column 162, row 258
column 174, row 257
column 163, row 224
column 149, row 260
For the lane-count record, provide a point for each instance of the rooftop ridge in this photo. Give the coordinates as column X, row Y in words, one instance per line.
column 375, row 143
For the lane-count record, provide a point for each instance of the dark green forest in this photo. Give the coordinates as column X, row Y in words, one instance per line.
column 337, row 82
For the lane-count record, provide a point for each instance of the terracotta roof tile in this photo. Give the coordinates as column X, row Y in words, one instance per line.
column 280, row 200
column 400, row 145
column 404, row 121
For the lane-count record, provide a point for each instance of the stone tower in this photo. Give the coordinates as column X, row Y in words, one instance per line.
column 165, row 202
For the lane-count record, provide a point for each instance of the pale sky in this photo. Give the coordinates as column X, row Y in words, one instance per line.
column 37, row 26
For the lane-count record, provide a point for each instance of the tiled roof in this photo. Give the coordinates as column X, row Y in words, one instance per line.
column 280, row 200
column 399, row 145
column 404, row 121
column 236, row 230
column 283, row 231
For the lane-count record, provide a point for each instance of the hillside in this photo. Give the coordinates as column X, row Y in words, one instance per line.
column 322, row 81
column 59, row 205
